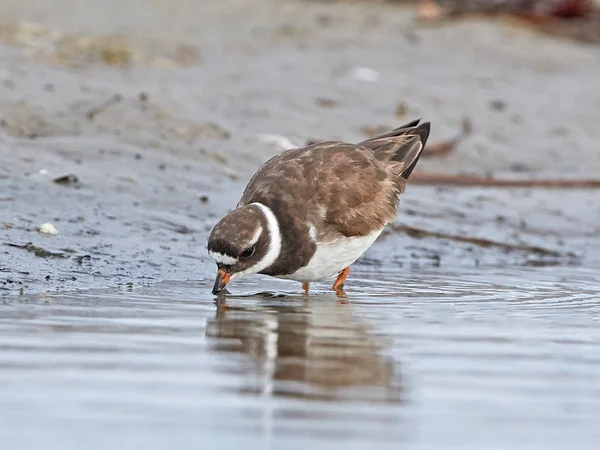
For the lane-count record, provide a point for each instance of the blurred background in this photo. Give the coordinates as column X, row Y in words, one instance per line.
column 128, row 128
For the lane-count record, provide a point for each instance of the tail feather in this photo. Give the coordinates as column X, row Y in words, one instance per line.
column 402, row 147
column 423, row 131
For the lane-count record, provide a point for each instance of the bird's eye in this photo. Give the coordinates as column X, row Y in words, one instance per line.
column 248, row 252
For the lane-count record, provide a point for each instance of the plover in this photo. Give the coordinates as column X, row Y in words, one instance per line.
column 309, row 213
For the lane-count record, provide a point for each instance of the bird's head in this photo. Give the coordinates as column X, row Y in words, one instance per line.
column 245, row 241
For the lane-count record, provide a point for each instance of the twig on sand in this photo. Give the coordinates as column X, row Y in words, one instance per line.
column 482, row 242
column 92, row 113
column 442, row 148
column 476, row 181
column 37, row 251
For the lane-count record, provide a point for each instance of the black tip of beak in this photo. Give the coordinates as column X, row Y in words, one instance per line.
column 216, row 289
column 220, row 282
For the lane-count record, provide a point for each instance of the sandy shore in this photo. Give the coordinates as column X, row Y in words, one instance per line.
column 158, row 108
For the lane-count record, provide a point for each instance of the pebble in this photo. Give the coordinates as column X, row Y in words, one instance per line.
column 365, row 74
column 48, row 228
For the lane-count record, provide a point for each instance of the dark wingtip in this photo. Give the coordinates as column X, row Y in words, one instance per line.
column 423, row 132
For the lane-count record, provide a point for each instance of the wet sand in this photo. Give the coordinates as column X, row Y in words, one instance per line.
column 186, row 128
column 158, row 108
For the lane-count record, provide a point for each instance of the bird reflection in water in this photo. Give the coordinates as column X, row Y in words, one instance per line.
column 310, row 349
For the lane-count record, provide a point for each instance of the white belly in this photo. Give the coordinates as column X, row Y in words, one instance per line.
column 332, row 257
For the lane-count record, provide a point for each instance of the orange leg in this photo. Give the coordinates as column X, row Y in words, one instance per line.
column 338, row 286
column 305, row 287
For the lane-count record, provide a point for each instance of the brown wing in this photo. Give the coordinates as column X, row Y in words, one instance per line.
column 357, row 189
column 380, row 174
column 341, row 188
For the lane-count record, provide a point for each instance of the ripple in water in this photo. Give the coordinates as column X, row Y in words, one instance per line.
column 478, row 359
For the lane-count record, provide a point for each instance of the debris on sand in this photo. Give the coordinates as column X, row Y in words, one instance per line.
column 176, row 227
column 92, row 113
column 497, row 105
column 477, row 181
column 23, row 120
column 482, row 242
column 83, row 258
column 573, row 19
column 558, row 9
column 212, row 129
column 326, row 102
column 66, row 179
column 401, row 110
column 37, row 251
column 113, row 50
column 365, row 74
column 48, row 228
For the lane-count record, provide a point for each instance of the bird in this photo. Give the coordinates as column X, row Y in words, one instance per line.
column 307, row 214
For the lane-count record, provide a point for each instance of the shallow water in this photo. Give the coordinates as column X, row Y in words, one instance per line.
column 421, row 359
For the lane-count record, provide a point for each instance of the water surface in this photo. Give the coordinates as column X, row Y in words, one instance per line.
column 480, row 359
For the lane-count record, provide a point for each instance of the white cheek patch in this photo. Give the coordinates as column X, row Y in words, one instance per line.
column 274, row 243
column 219, row 258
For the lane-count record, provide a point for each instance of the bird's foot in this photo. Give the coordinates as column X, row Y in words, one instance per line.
column 305, row 287
column 338, row 286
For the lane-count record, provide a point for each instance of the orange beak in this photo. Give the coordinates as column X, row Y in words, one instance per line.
column 221, row 281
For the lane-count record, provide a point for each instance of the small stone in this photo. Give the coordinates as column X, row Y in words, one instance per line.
column 66, row 179
column 324, row 20
column 498, row 105
column 365, row 74
column 325, row 102
column 48, row 228
column 520, row 168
